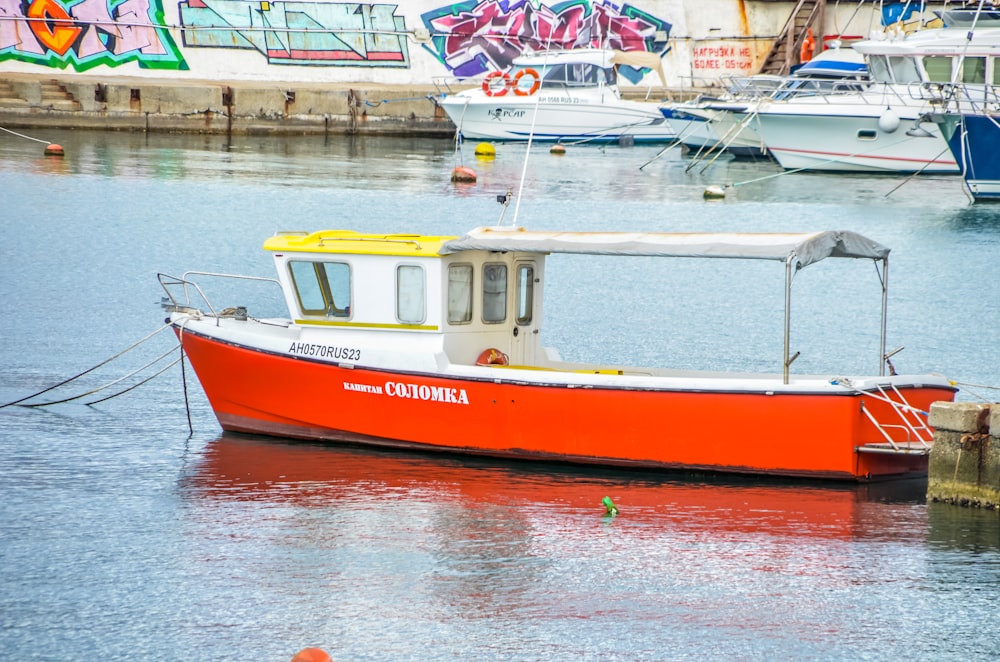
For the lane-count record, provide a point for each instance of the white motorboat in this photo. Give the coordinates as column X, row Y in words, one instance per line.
column 883, row 127
column 559, row 96
column 710, row 123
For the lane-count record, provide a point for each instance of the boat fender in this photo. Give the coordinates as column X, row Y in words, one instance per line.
column 888, row 121
column 492, row 356
column 536, row 82
column 492, row 91
column 808, row 47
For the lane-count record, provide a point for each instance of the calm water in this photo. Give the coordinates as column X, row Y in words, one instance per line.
column 122, row 536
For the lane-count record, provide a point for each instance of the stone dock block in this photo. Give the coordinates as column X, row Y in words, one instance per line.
column 957, row 416
column 964, row 463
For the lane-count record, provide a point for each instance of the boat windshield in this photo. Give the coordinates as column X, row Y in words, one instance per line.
column 894, row 69
column 578, row 74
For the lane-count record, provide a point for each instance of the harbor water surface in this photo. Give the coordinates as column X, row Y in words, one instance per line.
column 125, row 535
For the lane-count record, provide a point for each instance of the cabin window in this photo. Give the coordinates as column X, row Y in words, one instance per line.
column 974, row 70
column 410, row 294
column 494, row 293
column 996, row 71
column 938, row 68
column 460, row 294
column 525, row 293
column 878, row 69
column 323, row 288
column 904, row 70
column 579, row 74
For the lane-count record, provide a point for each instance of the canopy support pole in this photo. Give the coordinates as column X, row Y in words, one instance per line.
column 788, row 314
column 885, row 312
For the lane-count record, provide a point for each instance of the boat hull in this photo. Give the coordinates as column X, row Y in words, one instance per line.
column 702, row 128
column 975, row 143
column 849, row 139
column 556, row 116
column 504, row 415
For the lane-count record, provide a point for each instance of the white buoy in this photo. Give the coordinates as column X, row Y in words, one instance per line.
column 715, row 192
column 888, row 121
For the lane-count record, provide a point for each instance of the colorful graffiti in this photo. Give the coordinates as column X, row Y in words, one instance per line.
column 87, row 34
column 473, row 37
column 310, row 33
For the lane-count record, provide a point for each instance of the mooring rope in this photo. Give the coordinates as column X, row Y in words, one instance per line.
column 21, row 135
column 88, row 370
column 134, row 386
column 967, row 386
column 109, row 384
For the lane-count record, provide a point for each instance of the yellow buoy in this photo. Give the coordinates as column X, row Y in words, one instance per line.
column 463, row 174
column 558, row 148
column 485, row 149
column 53, row 149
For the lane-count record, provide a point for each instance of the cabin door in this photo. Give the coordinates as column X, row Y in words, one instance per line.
column 525, row 331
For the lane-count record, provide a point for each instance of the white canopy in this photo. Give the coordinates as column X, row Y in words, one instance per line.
column 802, row 248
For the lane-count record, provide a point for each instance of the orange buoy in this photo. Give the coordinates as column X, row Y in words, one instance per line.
column 312, row 655
column 536, row 82
column 492, row 356
column 463, row 174
column 558, row 148
column 489, row 87
column 808, row 47
column 53, row 149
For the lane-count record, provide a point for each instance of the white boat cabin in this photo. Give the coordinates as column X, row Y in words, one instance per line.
column 953, row 54
column 421, row 301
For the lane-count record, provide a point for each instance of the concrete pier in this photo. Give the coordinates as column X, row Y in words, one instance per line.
column 964, row 467
column 143, row 104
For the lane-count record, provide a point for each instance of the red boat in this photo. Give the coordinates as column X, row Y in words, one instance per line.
column 432, row 343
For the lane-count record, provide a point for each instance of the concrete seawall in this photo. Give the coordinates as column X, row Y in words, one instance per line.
column 964, row 466
column 208, row 107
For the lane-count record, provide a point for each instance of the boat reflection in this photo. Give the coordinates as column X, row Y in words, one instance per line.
column 247, row 468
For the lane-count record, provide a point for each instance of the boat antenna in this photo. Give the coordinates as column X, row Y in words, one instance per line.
column 505, row 201
column 531, row 135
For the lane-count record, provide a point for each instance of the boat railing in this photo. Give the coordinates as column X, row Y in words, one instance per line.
column 964, row 97
column 445, row 85
column 783, row 87
column 183, row 293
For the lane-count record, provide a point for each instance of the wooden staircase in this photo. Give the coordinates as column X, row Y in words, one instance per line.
column 785, row 54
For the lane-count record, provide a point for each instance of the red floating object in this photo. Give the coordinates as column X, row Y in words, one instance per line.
column 312, row 655
column 54, row 150
column 463, row 174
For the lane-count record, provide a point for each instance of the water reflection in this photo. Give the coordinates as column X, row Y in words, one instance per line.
column 972, row 530
column 980, row 219
column 482, row 498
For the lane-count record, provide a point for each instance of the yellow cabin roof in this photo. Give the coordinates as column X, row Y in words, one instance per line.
column 341, row 242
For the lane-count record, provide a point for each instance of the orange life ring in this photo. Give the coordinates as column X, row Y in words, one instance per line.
column 808, row 47
column 488, row 87
column 492, row 356
column 534, row 86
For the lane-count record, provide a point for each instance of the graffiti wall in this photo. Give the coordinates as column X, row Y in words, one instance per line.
column 349, row 42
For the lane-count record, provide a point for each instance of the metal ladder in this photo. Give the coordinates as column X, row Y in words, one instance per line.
column 918, row 433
